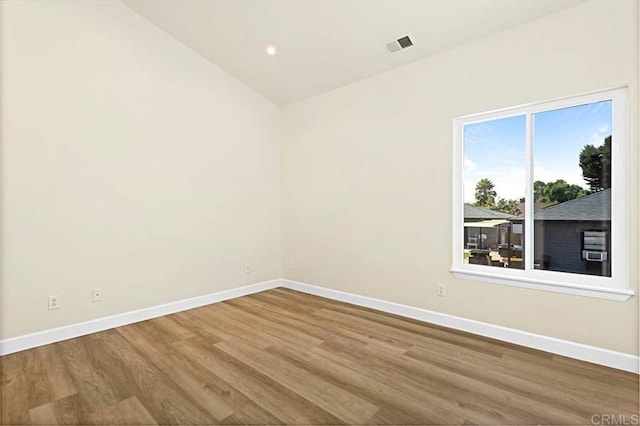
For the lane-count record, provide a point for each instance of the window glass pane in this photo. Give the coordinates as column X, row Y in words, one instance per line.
column 572, row 189
column 494, row 183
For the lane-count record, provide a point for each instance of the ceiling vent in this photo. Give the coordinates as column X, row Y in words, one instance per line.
column 399, row 44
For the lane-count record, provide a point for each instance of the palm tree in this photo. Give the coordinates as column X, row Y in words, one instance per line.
column 485, row 195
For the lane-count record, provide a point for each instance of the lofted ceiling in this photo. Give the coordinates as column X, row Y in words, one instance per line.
column 324, row 44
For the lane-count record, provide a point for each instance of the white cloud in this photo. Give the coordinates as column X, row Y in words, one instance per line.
column 597, row 137
column 468, row 164
column 572, row 175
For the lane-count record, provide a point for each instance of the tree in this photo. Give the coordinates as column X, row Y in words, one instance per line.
column 538, row 191
column 596, row 165
column 557, row 192
column 560, row 191
column 485, row 195
column 506, row 206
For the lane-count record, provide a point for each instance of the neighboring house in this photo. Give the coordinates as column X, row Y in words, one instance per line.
column 485, row 228
column 559, row 235
column 536, row 206
column 473, row 214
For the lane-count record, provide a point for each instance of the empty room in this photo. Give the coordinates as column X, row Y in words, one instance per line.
column 320, row 212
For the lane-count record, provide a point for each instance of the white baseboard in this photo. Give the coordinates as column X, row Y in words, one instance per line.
column 27, row 341
column 609, row 358
column 606, row 357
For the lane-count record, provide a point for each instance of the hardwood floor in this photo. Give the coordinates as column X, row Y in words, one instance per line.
column 284, row 357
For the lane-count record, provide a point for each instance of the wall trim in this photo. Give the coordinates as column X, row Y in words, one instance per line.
column 593, row 354
column 616, row 294
column 28, row 341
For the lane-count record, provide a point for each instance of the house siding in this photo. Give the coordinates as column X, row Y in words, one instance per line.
column 562, row 242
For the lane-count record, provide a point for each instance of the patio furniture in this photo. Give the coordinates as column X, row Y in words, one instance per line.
column 472, row 243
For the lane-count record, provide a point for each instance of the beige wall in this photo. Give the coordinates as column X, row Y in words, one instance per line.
column 130, row 163
column 367, row 172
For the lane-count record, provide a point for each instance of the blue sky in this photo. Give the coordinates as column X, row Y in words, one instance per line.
column 496, row 149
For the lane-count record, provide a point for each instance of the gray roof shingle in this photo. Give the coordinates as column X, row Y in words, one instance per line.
column 595, row 206
column 481, row 213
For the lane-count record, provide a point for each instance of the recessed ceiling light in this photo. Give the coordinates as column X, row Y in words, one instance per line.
column 271, row 50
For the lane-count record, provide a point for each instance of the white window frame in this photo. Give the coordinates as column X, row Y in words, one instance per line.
column 615, row 287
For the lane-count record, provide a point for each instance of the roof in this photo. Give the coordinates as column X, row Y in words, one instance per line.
column 595, row 206
column 537, row 206
column 481, row 213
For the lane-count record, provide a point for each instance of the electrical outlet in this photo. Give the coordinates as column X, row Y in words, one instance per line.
column 54, row 302
column 247, row 268
column 442, row 290
column 96, row 294
column 292, row 266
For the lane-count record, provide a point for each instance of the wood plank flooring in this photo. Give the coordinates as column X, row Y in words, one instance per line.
column 284, row 357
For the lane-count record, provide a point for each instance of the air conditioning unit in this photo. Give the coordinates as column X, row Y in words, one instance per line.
column 594, row 245
column 594, row 256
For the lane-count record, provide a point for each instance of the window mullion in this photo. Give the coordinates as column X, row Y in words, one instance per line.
column 529, row 196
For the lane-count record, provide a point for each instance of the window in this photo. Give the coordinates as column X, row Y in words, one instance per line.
column 540, row 196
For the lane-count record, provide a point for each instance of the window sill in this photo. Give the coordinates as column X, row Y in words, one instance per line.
column 537, row 284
